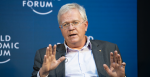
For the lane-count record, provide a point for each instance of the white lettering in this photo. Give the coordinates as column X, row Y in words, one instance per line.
column 24, row 2
column 11, row 45
column 36, row 4
column 58, row 43
column 0, row 45
column 6, row 46
column 16, row 46
column 1, row 38
column 91, row 37
column 1, row 53
column 41, row 3
column 49, row 4
column 30, row 3
column 7, row 38
column 6, row 53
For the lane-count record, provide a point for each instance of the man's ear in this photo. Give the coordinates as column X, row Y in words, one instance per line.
column 59, row 27
column 86, row 25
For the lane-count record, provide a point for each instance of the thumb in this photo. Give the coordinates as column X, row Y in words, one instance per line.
column 61, row 59
column 106, row 68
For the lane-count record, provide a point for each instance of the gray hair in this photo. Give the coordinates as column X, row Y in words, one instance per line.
column 65, row 8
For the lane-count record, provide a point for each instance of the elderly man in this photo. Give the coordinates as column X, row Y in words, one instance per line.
column 78, row 56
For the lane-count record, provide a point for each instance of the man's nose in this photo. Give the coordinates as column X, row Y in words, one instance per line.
column 71, row 27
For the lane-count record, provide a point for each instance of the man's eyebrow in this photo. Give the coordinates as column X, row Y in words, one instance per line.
column 69, row 22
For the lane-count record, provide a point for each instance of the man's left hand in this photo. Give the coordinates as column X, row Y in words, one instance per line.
column 117, row 68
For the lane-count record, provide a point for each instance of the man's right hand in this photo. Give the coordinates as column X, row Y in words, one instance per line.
column 50, row 62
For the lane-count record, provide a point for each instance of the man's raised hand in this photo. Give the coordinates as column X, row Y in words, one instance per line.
column 117, row 68
column 50, row 62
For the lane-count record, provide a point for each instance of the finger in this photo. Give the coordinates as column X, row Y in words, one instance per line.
column 61, row 59
column 47, row 51
column 50, row 50
column 123, row 64
column 119, row 59
column 113, row 65
column 54, row 50
column 52, row 57
column 111, row 58
column 106, row 68
column 44, row 61
column 116, row 56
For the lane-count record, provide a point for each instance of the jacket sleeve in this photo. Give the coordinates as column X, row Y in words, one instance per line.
column 37, row 64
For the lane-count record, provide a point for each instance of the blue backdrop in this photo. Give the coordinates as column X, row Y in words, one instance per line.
column 27, row 25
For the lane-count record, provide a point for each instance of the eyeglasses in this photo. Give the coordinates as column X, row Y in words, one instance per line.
column 74, row 24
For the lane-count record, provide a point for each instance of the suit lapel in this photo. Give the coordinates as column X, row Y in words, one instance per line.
column 60, row 51
column 98, row 57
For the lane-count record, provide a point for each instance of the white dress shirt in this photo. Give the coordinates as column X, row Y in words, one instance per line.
column 80, row 63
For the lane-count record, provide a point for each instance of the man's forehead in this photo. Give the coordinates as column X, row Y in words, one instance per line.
column 71, row 15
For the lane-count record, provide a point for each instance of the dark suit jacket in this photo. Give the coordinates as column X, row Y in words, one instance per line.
column 101, row 52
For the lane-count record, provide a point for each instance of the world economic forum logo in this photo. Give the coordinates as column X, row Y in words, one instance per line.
column 41, row 7
column 6, row 45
